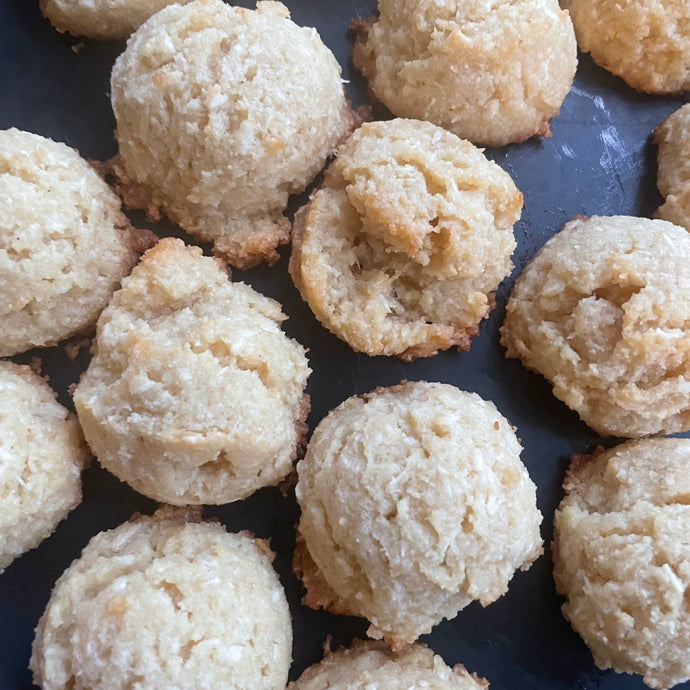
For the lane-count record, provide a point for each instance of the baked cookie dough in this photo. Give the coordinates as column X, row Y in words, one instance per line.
column 493, row 73
column 622, row 557
column 645, row 42
column 166, row 601
column 42, row 453
column 401, row 249
column 414, row 504
column 672, row 138
column 64, row 242
column 194, row 394
column 371, row 664
column 101, row 19
column 603, row 312
column 222, row 113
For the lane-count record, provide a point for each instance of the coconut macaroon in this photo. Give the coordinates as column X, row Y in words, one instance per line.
column 223, row 112
column 672, row 138
column 101, row 19
column 622, row 557
column 166, row 601
column 64, row 242
column 493, row 73
column 42, row 453
column 603, row 312
column 371, row 664
column 414, row 504
column 194, row 394
column 401, row 249
column 646, row 43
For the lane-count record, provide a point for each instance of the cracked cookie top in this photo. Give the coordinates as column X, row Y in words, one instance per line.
column 166, row 601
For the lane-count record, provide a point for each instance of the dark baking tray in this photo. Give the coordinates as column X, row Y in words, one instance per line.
column 600, row 160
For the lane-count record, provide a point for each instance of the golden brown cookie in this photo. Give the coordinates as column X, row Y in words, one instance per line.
column 194, row 394
column 622, row 557
column 222, row 113
column 603, row 312
column 64, row 242
column 493, row 73
column 645, row 42
column 166, row 601
column 414, row 504
column 401, row 249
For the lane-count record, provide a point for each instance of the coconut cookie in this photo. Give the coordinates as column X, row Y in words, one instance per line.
column 64, row 242
column 222, row 113
column 672, row 137
column 603, row 312
column 645, row 42
column 101, row 19
column 42, row 453
column 622, row 557
column 401, row 249
column 493, row 73
column 414, row 504
column 370, row 664
column 194, row 394
column 166, row 601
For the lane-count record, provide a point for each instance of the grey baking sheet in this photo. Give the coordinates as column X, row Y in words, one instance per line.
column 600, row 160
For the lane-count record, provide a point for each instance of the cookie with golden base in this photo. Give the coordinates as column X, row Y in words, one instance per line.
column 194, row 393
column 401, row 249
column 414, row 504
column 222, row 113
column 65, row 244
column 644, row 42
column 493, row 73
column 622, row 557
column 603, row 312
column 166, row 601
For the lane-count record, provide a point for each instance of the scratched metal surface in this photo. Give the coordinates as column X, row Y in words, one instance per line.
column 599, row 161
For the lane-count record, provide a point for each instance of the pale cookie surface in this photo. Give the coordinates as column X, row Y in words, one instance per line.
column 414, row 503
column 645, row 42
column 603, row 312
column 166, row 602
column 401, row 249
column 194, row 394
column 222, row 112
column 42, row 453
column 101, row 19
column 369, row 664
column 622, row 557
column 493, row 73
column 672, row 138
column 64, row 242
